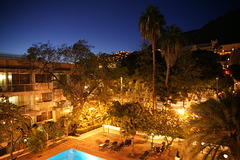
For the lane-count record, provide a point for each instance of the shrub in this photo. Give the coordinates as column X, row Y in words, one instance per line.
column 37, row 141
column 88, row 128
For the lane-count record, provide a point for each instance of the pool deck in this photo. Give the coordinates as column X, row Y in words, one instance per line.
column 89, row 143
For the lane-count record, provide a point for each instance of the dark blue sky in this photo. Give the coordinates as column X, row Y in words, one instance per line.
column 109, row 25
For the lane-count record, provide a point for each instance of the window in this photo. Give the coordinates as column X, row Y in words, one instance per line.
column 47, row 97
column 42, row 78
column 21, row 78
column 63, row 78
column 44, row 116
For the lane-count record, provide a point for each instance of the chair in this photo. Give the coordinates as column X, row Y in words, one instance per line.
column 177, row 156
column 128, row 142
column 103, row 145
column 144, row 156
column 157, row 149
column 112, row 145
column 117, row 149
column 163, row 147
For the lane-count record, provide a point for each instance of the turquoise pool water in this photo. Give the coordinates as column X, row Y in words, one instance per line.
column 72, row 154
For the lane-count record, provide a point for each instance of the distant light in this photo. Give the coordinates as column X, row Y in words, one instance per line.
column 25, row 140
column 85, row 87
column 222, row 50
column 225, row 156
column 10, row 99
column 202, row 143
column 9, row 76
column 4, row 122
column 232, row 49
column 152, row 134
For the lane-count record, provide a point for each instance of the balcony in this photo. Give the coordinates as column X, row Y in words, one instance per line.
column 16, row 88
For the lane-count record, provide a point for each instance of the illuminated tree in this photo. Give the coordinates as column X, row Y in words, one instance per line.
column 13, row 125
column 131, row 117
column 90, row 77
column 37, row 141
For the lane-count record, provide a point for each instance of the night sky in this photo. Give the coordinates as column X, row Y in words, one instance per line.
column 109, row 25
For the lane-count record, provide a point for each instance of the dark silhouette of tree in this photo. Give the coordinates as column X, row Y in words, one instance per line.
column 150, row 26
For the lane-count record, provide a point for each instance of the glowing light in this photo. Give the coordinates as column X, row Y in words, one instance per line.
column 225, row 156
column 202, row 143
column 37, row 98
column 91, row 108
column 10, row 99
column 9, row 76
column 2, row 77
column 67, row 110
column 180, row 111
column 25, row 140
column 4, row 122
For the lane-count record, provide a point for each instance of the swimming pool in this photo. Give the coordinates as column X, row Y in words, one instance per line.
column 72, row 154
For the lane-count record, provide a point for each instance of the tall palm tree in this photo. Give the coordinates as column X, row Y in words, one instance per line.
column 171, row 47
column 150, row 26
column 216, row 129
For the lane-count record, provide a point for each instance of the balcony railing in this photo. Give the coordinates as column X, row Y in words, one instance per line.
column 17, row 88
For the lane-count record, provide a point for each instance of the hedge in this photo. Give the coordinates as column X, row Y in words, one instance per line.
column 87, row 129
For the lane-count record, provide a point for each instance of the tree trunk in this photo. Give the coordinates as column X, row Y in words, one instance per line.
column 167, row 75
column 12, row 146
column 154, row 71
column 132, row 143
column 167, row 59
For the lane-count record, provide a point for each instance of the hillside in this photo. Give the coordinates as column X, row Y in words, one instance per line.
column 225, row 28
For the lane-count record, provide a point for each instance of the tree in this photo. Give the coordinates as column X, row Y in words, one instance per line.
column 166, row 123
column 171, row 47
column 90, row 78
column 13, row 124
column 131, row 117
column 150, row 26
column 215, row 127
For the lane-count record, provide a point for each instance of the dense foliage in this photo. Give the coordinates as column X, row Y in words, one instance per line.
column 215, row 127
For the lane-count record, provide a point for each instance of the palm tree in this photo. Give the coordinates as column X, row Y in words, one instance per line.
column 150, row 25
column 216, row 128
column 171, row 47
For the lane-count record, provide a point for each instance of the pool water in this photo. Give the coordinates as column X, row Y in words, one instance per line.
column 72, row 154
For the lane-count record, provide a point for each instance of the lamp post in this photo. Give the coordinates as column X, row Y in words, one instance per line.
column 202, row 145
column 217, row 83
column 67, row 111
column 152, row 139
